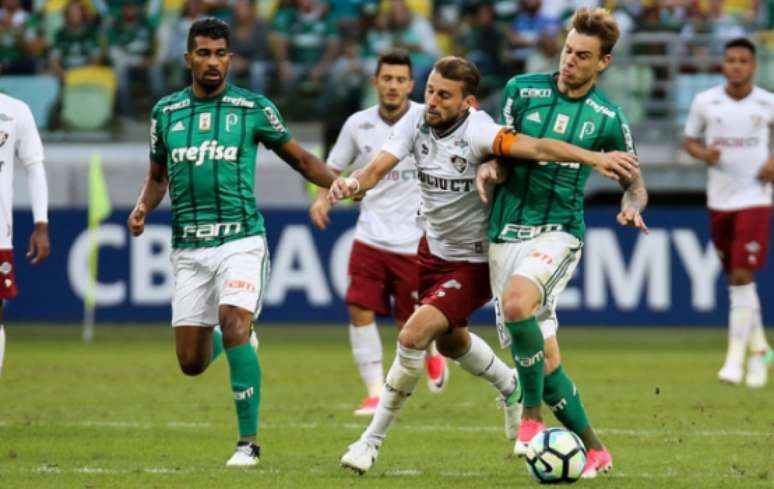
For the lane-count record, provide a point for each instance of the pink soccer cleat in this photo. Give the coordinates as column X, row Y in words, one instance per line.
column 437, row 372
column 368, row 408
column 527, row 431
column 597, row 461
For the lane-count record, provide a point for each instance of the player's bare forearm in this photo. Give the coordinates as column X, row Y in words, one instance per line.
column 694, row 147
column 372, row 173
column 305, row 163
column 154, row 188
column 635, row 194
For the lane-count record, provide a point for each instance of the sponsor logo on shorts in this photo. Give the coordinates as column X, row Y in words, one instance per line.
column 541, row 256
column 752, row 247
column 240, row 284
column 5, row 268
column 452, row 284
column 245, row 394
column 211, row 231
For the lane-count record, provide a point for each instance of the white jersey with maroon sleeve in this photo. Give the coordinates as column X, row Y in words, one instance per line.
column 455, row 219
column 19, row 141
column 739, row 129
column 388, row 213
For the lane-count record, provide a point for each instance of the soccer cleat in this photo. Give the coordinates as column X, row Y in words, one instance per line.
column 360, row 456
column 246, row 455
column 512, row 406
column 437, row 372
column 731, row 373
column 528, row 428
column 597, row 461
column 368, row 408
column 757, row 371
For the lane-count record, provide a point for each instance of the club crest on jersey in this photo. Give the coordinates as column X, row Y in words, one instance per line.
column 205, row 121
column 231, row 120
column 587, row 129
column 3, row 138
column 560, row 126
column 460, row 163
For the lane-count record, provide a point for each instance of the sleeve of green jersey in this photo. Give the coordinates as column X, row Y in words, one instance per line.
column 619, row 135
column 507, row 103
column 158, row 152
column 270, row 128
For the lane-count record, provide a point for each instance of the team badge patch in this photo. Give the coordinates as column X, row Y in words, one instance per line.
column 460, row 163
column 560, row 126
column 205, row 121
column 3, row 138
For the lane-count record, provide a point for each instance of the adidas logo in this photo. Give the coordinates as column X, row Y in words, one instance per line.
column 179, row 126
column 535, row 117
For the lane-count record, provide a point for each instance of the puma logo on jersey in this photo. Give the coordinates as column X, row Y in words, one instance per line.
column 179, row 126
column 206, row 150
column 535, row 117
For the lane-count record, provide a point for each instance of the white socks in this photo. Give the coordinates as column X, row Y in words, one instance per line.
column 758, row 343
column 367, row 350
column 2, row 347
column 481, row 361
column 399, row 385
column 745, row 310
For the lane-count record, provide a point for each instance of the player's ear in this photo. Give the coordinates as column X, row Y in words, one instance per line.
column 604, row 61
column 187, row 59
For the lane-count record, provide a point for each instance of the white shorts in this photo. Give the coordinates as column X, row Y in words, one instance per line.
column 234, row 273
column 548, row 260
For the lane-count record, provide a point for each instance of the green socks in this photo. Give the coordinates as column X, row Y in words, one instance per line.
column 527, row 352
column 217, row 343
column 245, row 372
column 562, row 396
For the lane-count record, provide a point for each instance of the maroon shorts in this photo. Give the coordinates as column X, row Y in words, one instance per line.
column 7, row 275
column 376, row 275
column 457, row 289
column 741, row 237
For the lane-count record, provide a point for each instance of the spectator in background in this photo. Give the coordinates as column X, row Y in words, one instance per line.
column 76, row 43
column 483, row 42
column 249, row 46
column 305, row 43
column 15, row 56
column 527, row 30
column 132, row 51
column 172, row 45
column 415, row 34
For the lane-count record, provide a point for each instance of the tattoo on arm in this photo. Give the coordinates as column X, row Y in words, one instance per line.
column 635, row 194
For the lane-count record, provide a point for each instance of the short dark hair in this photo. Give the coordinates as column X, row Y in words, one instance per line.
column 208, row 27
column 459, row 69
column 394, row 56
column 740, row 42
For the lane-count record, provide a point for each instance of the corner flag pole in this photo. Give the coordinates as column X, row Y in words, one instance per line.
column 99, row 210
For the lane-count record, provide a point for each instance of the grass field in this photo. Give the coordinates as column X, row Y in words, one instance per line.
column 118, row 413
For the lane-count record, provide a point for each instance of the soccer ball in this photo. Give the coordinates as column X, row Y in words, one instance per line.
column 556, row 455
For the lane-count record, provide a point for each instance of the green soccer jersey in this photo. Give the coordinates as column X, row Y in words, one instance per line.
column 547, row 193
column 209, row 148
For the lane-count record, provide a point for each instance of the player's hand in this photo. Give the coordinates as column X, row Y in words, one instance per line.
column 616, row 165
column 136, row 221
column 711, row 156
column 318, row 213
column 632, row 218
column 766, row 174
column 486, row 174
column 342, row 188
column 40, row 247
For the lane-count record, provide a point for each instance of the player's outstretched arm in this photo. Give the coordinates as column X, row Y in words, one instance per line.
column 305, row 163
column 614, row 165
column 153, row 190
column 363, row 179
column 318, row 212
column 633, row 203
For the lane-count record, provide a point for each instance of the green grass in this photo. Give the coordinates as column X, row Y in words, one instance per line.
column 118, row 413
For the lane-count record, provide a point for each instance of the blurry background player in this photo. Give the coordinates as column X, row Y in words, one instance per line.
column 728, row 128
column 537, row 223
column 383, row 263
column 449, row 140
column 19, row 141
column 203, row 141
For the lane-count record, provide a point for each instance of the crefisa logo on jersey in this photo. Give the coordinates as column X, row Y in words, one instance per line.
column 460, row 163
column 206, row 150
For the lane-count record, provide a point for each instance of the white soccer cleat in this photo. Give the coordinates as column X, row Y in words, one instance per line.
column 731, row 374
column 246, row 455
column 360, row 456
column 512, row 407
column 757, row 371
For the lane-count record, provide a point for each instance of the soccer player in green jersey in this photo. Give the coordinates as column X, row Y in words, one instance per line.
column 537, row 226
column 203, row 143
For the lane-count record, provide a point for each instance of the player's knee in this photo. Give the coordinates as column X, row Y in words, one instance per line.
column 453, row 345
column 740, row 277
column 408, row 338
column 191, row 365
column 518, row 307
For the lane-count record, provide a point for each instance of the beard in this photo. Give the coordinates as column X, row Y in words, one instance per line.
column 210, row 84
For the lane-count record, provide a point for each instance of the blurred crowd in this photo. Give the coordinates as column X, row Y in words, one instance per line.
column 304, row 48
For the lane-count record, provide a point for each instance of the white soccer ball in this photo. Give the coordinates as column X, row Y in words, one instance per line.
column 556, row 455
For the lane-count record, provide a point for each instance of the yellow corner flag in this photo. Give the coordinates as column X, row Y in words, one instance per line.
column 99, row 210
